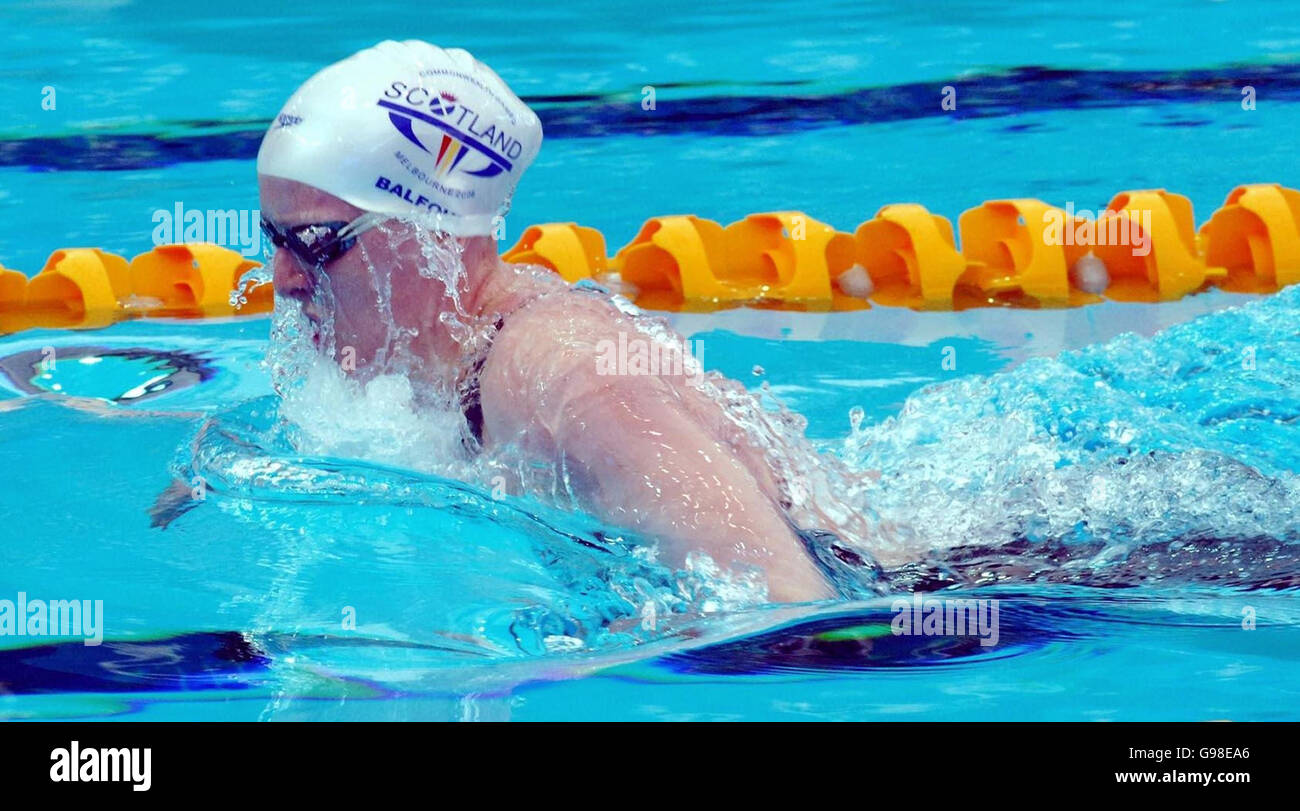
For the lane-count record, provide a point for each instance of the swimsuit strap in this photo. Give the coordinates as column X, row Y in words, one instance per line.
column 470, row 401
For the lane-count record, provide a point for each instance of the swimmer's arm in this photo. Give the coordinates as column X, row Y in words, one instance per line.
column 179, row 497
column 176, row 499
column 640, row 457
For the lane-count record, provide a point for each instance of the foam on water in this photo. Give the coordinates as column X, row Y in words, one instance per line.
column 1191, row 433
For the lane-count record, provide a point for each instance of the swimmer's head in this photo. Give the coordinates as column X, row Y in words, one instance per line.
column 420, row 150
column 407, row 129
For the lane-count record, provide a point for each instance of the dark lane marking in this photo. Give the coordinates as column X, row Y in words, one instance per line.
column 1018, row 91
column 193, row 661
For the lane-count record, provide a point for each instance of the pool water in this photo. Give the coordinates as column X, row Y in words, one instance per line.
column 1122, row 478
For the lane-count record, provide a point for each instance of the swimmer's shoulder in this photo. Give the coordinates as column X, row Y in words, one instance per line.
column 564, row 323
column 540, row 298
column 548, row 345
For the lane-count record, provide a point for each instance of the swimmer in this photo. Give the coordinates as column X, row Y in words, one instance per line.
column 406, row 133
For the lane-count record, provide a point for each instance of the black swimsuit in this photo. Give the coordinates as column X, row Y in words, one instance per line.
column 471, row 404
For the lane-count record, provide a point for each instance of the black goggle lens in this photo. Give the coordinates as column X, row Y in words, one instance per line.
column 314, row 244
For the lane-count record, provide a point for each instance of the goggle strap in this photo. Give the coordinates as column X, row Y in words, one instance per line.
column 360, row 225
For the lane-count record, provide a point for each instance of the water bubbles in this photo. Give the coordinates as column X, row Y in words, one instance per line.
column 856, row 415
column 559, row 643
column 1113, row 444
column 257, row 275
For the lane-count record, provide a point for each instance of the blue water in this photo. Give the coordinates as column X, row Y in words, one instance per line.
column 1128, row 498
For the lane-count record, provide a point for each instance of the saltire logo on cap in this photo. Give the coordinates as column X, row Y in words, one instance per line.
column 455, row 145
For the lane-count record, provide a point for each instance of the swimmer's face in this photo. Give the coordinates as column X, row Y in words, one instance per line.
column 353, row 298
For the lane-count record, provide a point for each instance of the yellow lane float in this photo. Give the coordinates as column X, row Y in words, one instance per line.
column 78, row 287
column 686, row 262
column 86, row 287
column 1159, row 260
column 1255, row 237
column 1008, row 258
column 911, row 257
column 569, row 249
column 1014, row 253
column 196, row 277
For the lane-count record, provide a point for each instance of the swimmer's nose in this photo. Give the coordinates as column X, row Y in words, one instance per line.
column 288, row 277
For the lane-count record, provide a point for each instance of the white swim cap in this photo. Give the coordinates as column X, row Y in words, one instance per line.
column 407, row 128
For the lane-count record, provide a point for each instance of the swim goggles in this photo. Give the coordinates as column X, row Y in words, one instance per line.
column 317, row 244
